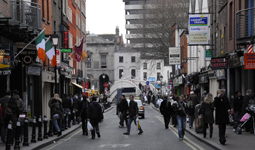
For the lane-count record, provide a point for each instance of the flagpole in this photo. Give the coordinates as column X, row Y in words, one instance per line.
column 47, row 39
column 29, row 43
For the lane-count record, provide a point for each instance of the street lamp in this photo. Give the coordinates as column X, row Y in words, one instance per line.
column 161, row 78
column 55, row 43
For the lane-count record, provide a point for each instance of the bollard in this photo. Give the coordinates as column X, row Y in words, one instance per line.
column 63, row 122
column 50, row 129
column 17, row 140
column 9, row 136
column 40, row 129
column 45, row 124
column 69, row 118
column 25, row 143
column 33, row 140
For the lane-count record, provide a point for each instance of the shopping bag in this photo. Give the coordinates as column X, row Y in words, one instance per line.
column 138, row 124
column 245, row 117
column 199, row 122
column 89, row 126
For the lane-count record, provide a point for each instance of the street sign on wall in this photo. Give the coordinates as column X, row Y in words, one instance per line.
column 198, row 29
column 249, row 60
column 58, row 57
column 174, row 56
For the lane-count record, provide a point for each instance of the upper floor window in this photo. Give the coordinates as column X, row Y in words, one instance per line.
column 121, row 59
column 158, row 66
column 103, row 61
column 88, row 61
column 145, row 76
column 120, row 73
column 132, row 58
column 158, row 76
column 144, row 65
column 132, row 73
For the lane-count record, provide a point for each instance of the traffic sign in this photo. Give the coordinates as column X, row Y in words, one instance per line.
column 147, row 82
column 106, row 84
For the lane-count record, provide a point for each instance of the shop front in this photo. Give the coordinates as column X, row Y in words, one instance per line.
column 204, row 82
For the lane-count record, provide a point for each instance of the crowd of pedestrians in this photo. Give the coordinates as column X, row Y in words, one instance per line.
column 181, row 109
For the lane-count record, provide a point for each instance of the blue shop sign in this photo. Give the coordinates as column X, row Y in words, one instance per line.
column 152, row 79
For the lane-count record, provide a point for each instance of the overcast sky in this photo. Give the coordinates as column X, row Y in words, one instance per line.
column 104, row 15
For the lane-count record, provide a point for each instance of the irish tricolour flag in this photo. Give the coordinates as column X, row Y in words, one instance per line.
column 50, row 52
column 40, row 46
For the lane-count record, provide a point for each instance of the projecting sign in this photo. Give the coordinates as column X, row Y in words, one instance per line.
column 66, row 50
column 58, row 57
column 249, row 60
column 219, row 63
column 66, row 39
column 198, row 29
column 174, row 56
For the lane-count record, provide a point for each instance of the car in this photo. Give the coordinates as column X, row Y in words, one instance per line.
column 141, row 110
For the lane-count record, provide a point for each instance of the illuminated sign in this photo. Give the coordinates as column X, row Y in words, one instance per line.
column 219, row 63
column 66, row 39
column 68, row 50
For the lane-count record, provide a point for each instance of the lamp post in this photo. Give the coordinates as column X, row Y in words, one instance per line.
column 103, row 82
column 55, row 43
column 161, row 78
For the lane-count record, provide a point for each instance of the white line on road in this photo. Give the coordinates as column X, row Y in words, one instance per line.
column 161, row 119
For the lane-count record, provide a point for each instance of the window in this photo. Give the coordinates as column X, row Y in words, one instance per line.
column 70, row 14
column 230, row 19
column 132, row 73
column 158, row 76
column 133, row 59
column 65, row 8
column 103, row 61
column 158, row 66
column 121, row 59
column 145, row 76
column 89, row 61
column 120, row 73
column 144, row 65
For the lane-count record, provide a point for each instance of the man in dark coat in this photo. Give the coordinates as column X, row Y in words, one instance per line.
column 84, row 109
column 222, row 106
column 166, row 110
column 3, row 102
column 66, row 103
column 194, row 98
column 20, row 104
column 95, row 115
column 123, row 107
column 133, row 114
column 76, row 107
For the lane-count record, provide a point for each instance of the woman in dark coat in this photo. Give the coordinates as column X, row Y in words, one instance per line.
column 222, row 106
column 207, row 111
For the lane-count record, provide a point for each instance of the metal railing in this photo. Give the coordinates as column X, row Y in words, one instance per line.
column 245, row 23
column 27, row 13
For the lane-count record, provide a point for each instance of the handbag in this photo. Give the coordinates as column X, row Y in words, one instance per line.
column 138, row 124
column 199, row 122
column 89, row 126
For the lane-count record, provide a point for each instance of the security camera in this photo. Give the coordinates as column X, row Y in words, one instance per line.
column 183, row 76
column 248, row 42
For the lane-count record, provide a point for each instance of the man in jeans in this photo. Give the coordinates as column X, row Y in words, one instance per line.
column 181, row 117
column 133, row 114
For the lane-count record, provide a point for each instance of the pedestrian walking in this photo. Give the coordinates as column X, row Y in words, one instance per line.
column 206, row 110
column 15, row 94
column 56, row 111
column 247, row 98
column 222, row 107
column 166, row 110
column 237, row 106
column 12, row 115
column 194, row 98
column 160, row 100
column 191, row 112
column 133, row 114
column 175, row 109
column 140, row 85
column 95, row 115
column 181, row 117
column 123, row 107
column 71, row 110
column 76, row 108
column 84, row 110
column 3, row 102
column 66, row 103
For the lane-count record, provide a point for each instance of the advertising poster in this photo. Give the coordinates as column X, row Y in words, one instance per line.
column 198, row 29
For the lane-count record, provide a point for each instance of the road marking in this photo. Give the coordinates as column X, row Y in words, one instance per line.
column 73, row 135
column 54, row 145
column 114, row 145
column 186, row 140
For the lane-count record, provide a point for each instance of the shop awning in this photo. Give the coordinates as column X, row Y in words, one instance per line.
column 79, row 86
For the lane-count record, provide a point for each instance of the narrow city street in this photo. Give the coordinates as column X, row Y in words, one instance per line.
column 155, row 136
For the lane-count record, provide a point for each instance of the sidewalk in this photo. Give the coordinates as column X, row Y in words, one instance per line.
column 235, row 141
column 45, row 142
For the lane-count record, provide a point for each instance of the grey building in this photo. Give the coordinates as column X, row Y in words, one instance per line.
column 100, row 60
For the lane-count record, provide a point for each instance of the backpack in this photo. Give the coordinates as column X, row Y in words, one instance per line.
column 8, row 113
